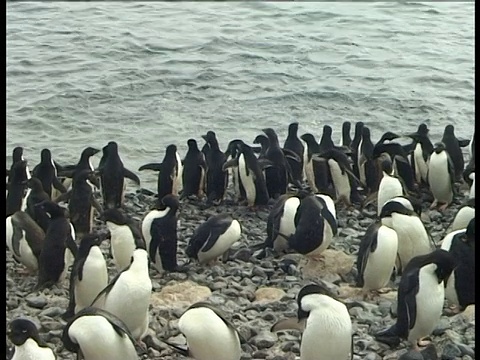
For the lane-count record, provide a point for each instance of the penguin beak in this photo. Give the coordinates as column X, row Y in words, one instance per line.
column 205, row 137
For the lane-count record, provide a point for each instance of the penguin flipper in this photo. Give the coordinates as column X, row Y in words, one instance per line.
column 131, row 175
column 57, row 184
column 265, row 163
column 63, row 197
column 407, row 306
column 291, row 155
column 109, row 287
column 229, row 164
column 151, row 166
column 216, row 229
column 368, row 244
column 290, row 323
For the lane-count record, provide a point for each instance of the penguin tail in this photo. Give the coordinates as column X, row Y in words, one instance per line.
column 388, row 336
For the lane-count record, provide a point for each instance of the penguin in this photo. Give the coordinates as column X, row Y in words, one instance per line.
column 213, row 238
column 112, row 177
column 346, row 140
column 389, row 187
column 408, row 202
column 46, row 172
column 89, row 274
column 460, row 286
column 25, row 240
column 441, row 177
column 376, row 257
column 326, row 142
column 471, row 148
column 193, row 173
column 209, row 334
column 232, row 153
column 469, row 178
column 81, row 202
column 23, row 333
column 159, row 229
column 59, row 247
column 316, row 225
column 216, row 177
column 420, row 298
column 413, row 239
column 251, row 175
column 276, row 176
column 125, row 236
column 263, row 141
column 35, row 196
column 366, row 164
column 96, row 334
column 128, row 295
column 169, row 175
column 325, row 322
column 423, row 148
column 17, row 188
column 316, row 169
column 293, row 143
column 354, row 146
column 84, row 163
column 17, row 155
column 454, row 151
column 463, row 216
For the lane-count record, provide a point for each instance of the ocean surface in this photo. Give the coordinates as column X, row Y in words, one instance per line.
column 147, row 75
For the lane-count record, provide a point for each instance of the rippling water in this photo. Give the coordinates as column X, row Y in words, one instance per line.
column 150, row 74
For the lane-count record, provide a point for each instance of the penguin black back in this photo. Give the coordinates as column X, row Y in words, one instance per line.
column 46, row 172
column 216, row 177
column 276, row 176
column 16, row 187
column 193, row 170
column 293, row 143
column 346, row 139
column 453, row 149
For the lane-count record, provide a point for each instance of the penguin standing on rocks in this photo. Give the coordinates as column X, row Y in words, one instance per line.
column 294, row 144
column 441, row 177
column 276, row 175
column 366, row 164
column 354, row 146
column 316, row 168
column 89, row 274
column 128, row 295
column 193, row 173
column 452, row 146
column 232, row 154
column 390, row 187
column 325, row 322
column 125, row 236
column 17, row 155
column 35, row 196
column 159, row 229
column 346, row 140
column 96, row 334
column 213, row 238
column 209, row 334
column 420, row 300
column 170, row 172
column 23, row 333
column 217, row 178
column 17, row 188
column 46, row 171
column 84, row 163
column 423, row 147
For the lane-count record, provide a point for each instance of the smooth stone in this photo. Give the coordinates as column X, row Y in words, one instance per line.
column 411, row 355
column 180, row 294
column 52, row 312
column 264, row 340
column 37, row 302
column 268, row 294
column 451, row 352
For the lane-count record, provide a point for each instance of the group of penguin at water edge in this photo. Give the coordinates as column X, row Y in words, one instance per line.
column 50, row 214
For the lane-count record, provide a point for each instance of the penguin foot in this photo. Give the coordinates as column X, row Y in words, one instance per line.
column 422, row 342
column 434, row 205
column 25, row 271
column 452, row 310
column 443, row 207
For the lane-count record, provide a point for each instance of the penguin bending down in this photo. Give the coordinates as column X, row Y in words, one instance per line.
column 209, row 334
column 24, row 334
column 128, row 295
column 376, row 257
column 96, row 334
column 441, row 177
column 390, row 186
column 193, row 174
column 460, row 286
column 213, row 238
column 325, row 322
column 421, row 295
column 89, row 274
column 463, row 216
column 159, row 229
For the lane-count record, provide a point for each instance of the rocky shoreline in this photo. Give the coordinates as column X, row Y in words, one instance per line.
column 255, row 293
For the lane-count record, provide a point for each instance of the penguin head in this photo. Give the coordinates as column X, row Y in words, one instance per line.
column 89, row 151
column 449, row 130
column 171, row 150
column 271, row 134
column 391, row 207
column 34, row 183
column 209, row 136
column 327, row 130
column 20, row 330
column 346, row 126
column 386, row 165
column 365, row 132
column 445, row 263
column 358, row 127
column 311, row 289
column 233, row 147
column 389, row 136
column 114, row 215
column 261, row 139
column 92, row 239
column 439, row 147
column 19, row 172
column 422, row 129
column 171, row 201
column 293, row 128
column 308, row 138
column 45, row 155
column 17, row 154
column 192, row 144
column 51, row 208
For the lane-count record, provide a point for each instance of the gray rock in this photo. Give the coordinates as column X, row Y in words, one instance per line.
column 53, row 311
column 451, row 352
column 37, row 302
column 264, row 340
column 411, row 355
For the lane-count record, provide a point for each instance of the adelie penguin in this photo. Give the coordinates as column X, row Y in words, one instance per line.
column 366, row 164
column 209, row 334
column 216, row 177
column 390, row 186
column 251, row 175
column 17, row 155
column 423, row 148
column 35, row 196
column 325, row 322
column 24, row 334
column 170, row 172
column 194, row 168
column 46, row 171
column 316, row 168
column 127, row 296
column 263, row 141
column 463, row 216
column 294, row 144
column 452, row 146
column 354, row 146
column 232, row 154
column 420, row 298
column 441, row 177
column 159, row 229
column 84, row 163
column 59, row 247
column 213, row 238
column 89, row 274
column 96, row 334
column 125, row 236
column 17, row 188
column 460, row 286
column 346, row 140
column 112, row 177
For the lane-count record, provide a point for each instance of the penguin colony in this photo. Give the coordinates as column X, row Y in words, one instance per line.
column 50, row 232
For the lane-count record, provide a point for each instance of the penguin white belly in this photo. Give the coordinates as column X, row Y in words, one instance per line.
column 389, row 188
column 447, row 240
column 122, row 245
column 236, row 182
column 381, row 262
column 439, row 178
column 222, row 244
column 340, row 181
column 330, row 204
column 471, row 194
column 201, row 186
column 429, row 300
column 27, row 257
column 94, row 280
column 208, row 337
column 99, row 341
column 361, row 170
column 23, row 207
column 463, row 217
column 129, row 299
column 327, row 335
column 450, row 292
column 412, row 237
column 31, row 351
column 287, row 223
column 247, row 181
column 68, row 259
column 421, row 168
column 179, row 182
